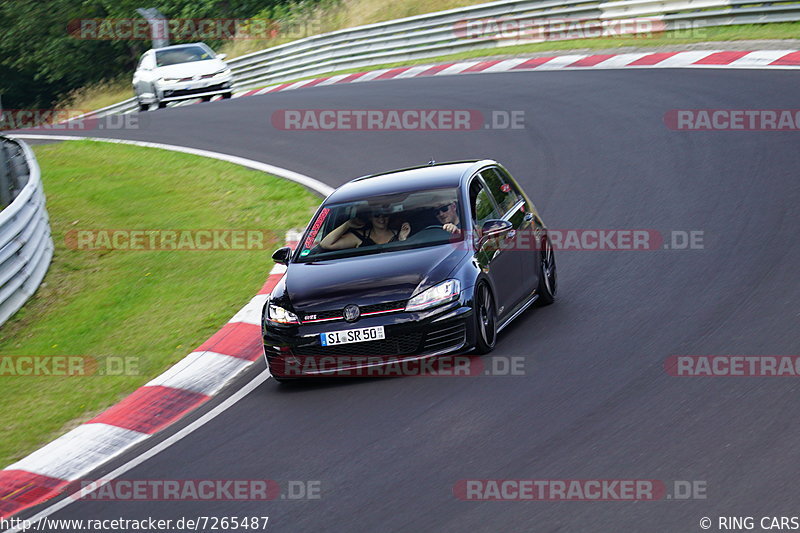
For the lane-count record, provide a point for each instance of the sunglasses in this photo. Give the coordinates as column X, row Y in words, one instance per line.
column 442, row 209
column 380, row 215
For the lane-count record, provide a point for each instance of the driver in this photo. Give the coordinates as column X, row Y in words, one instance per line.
column 447, row 215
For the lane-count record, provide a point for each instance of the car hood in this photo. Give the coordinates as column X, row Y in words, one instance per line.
column 195, row 68
column 371, row 279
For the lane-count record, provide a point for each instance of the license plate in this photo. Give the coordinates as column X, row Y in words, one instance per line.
column 352, row 335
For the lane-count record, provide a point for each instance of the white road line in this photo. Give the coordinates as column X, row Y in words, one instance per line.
column 155, row 450
column 290, row 175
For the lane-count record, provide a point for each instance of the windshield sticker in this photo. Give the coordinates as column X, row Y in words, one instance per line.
column 315, row 228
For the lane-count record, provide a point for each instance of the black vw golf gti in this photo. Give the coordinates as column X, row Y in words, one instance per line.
column 408, row 265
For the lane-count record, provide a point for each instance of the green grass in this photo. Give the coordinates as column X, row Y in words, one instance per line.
column 156, row 306
column 776, row 31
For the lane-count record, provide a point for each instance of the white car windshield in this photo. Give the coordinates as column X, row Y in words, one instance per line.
column 383, row 224
column 186, row 54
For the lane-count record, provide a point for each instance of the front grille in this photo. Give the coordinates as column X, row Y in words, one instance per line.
column 186, row 92
column 377, row 308
column 446, row 337
column 398, row 345
column 338, row 313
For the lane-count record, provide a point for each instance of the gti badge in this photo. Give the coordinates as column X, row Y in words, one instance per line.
column 351, row 313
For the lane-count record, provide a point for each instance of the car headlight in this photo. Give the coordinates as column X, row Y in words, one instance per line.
column 444, row 292
column 223, row 71
column 276, row 313
column 170, row 80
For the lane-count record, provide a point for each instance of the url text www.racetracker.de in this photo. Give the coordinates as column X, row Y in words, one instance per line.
column 124, row 525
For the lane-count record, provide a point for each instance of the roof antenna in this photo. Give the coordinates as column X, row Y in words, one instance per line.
column 432, row 162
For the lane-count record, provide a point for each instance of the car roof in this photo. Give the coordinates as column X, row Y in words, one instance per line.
column 424, row 177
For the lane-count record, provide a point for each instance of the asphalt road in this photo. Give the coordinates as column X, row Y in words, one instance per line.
column 595, row 401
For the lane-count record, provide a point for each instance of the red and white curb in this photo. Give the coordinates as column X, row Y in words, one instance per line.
column 754, row 59
column 687, row 59
column 164, row 400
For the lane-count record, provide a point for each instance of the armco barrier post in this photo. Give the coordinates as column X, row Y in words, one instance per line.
column 5, row 176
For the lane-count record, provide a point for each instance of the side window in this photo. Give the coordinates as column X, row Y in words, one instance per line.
column 503, row 190
column 481, row 204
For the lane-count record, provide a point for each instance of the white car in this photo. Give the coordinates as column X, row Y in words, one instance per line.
column 180, row 72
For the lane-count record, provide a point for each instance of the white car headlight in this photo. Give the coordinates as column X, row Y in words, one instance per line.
column 170, row 80
column 280, row 315
column 444, row 292
column 223, row 71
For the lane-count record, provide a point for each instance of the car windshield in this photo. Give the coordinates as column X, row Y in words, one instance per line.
column 383, row 224
column 186, row 54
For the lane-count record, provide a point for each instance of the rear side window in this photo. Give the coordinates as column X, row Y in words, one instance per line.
column 502, row 189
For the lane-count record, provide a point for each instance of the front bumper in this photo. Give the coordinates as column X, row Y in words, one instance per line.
column 295, row 351
column 195, row 88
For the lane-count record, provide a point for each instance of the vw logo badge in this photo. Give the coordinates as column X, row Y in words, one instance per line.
column 351, row 313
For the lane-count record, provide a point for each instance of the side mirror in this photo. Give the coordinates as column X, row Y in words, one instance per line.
column 281, row 255
column 494, row 228
column 222, row 57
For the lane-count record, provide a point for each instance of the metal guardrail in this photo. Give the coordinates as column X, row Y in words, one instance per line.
column 435, row 34
column 26, row 247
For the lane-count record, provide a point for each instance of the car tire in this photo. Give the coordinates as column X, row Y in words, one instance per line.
column 143, row 107
column 548, row 278
column 226, row 96
column 162, row 105
column 485, row 320
column 206, row 98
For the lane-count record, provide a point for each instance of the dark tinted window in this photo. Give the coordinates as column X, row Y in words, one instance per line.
column 186, row 54
column 482, row 207
column 502, row 189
